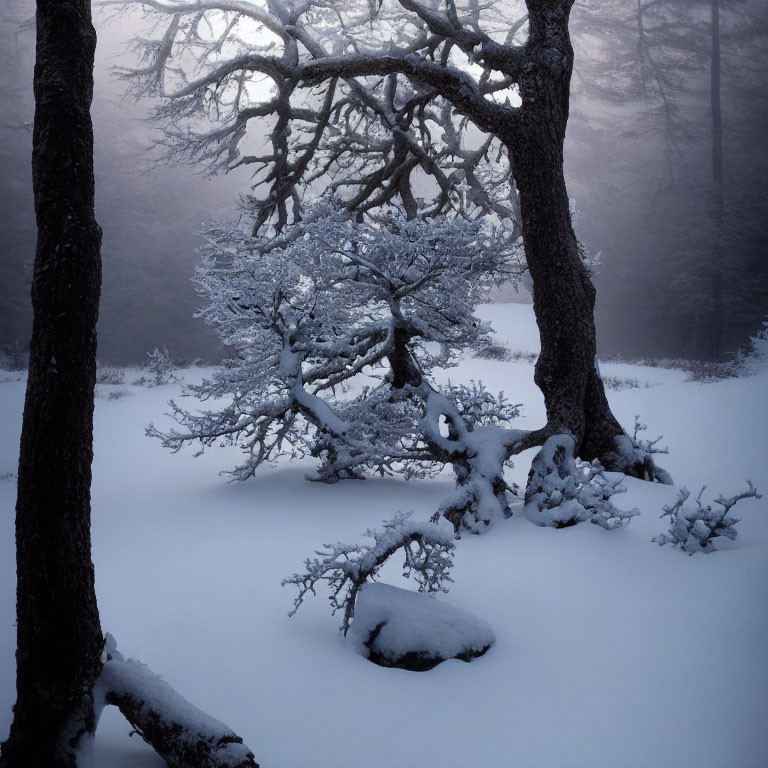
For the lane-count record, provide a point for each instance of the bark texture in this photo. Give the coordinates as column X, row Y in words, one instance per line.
column 563, row 294
column 58, row 631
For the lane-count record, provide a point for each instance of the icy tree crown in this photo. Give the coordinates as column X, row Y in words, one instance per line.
column 329, row 301
column 340, row 89
column 331, row 281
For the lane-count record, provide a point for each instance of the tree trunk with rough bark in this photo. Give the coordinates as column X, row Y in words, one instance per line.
column 563, row 294
column 61, row 684
column 58, row 631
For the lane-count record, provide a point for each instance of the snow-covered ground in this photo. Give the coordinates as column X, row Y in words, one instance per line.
column 611, row 652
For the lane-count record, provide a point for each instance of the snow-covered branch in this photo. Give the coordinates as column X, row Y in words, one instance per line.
column 179, row 732
column 365, row 96
column 427, row 548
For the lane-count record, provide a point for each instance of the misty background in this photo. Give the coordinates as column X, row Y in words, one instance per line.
column 684, row 258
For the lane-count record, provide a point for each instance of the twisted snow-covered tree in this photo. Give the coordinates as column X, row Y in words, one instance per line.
column 430, row 106
column 336, row 326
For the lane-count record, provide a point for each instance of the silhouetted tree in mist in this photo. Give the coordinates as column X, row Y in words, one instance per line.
column 688, row 77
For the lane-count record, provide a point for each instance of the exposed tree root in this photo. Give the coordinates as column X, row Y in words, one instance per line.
column 633, row 458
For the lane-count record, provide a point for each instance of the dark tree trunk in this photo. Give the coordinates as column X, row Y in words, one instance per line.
column 717, row 112
column 714, row 344
column 59, row 639
column 58, row 631
column 563, row 294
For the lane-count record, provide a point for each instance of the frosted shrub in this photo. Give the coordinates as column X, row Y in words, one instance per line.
column 694, row 528
column 428, row 550
column 564, row 490
column 617, row 383
column 480, row 408
column 492, row 351
column 118, row 394
column 159, row 367
column 645, row 446
column 110, row 375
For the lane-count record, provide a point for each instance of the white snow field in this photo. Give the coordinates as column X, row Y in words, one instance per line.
column 610, row 652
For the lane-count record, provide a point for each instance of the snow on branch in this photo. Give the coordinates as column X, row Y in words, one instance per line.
column 647, row 446
column 179, row 732
column 160, row 367
column 428, row 550
column 480, row 408
column 364, row 97
column 694, row 529
column 637, row 453
column 477, row 445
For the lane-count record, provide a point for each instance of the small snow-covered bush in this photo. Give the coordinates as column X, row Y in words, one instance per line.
column 564, row 490
column 522, row 356
column 489, row 349
column 110, row 375
column 694, row 528
column 647, row 447
column 480, row 408
column 118, row 394
column 428, row 550
column 617, row 383
column 160, row 369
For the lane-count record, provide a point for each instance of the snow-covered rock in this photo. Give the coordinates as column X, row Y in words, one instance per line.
column 395, row 627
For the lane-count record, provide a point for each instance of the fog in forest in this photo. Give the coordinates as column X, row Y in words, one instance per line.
column 684, row 263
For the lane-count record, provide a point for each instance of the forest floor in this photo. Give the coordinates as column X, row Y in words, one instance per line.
column 611, row 652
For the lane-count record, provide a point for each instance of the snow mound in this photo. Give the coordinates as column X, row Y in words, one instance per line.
column 395, row 627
